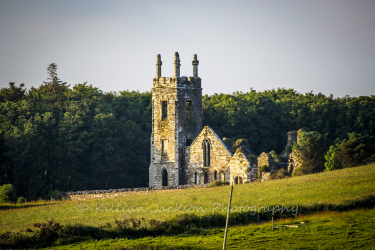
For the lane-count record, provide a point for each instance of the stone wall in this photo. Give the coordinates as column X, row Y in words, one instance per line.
column 293, row 163
column 239, row 168
column 219, row 158
column 112, row 193
column 268, row 160
column 265, row 176
column 252, row 174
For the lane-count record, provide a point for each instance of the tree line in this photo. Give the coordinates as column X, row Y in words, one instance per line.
column 58, row 137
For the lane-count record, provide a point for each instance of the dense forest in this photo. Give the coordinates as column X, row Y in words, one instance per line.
column 61, row 137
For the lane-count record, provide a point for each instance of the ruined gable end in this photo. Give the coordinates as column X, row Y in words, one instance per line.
column 239, row 168
column 209, row 158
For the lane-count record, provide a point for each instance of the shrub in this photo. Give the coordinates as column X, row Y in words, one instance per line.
column 49, row 231
column 21, row 199
column 264, row 168
column 54, row 194
column 299, row 171
column 280, row 174
column 7, row 193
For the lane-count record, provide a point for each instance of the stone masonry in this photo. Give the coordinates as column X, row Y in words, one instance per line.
column 239, row 168
column 176, row 121
column 268, row 160
column 181, row 152
column 196, row 172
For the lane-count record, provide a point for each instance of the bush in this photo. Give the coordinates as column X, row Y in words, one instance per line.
column 280, row 174
column 299, row 171
column 264, row 168
column 49, row 232
column 218, row 183
column 21, row 199
column 7, row 193
column 54, row 194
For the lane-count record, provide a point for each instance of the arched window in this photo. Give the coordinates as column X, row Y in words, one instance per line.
column 164, row 178
column 215, row 175
column 195, row 178
column 206, row 153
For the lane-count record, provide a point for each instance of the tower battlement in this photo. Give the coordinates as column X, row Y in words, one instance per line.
column 173, row 82
column 176, row 81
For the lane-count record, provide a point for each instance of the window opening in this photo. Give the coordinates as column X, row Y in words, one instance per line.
column 189, row 111
column 164, row 110
column 206, row 153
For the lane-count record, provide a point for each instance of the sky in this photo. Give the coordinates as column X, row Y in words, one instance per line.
column 325, row 46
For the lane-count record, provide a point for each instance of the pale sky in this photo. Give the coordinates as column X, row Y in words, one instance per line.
column 321, row 46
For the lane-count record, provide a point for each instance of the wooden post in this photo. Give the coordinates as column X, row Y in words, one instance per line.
column 228, row 213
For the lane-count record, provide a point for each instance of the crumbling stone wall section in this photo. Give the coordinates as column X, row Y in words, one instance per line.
column 265, row 176
column 292, row 138
column 293, row 163
column 268, row 160
column 253, row 173
column 219, row 159
column 239, row 168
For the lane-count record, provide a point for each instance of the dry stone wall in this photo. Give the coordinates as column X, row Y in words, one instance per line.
column 112, row 193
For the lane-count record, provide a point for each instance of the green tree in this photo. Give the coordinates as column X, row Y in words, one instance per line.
column 309, row 152
column 358, row 149
column 7, row 193
column 13, row 93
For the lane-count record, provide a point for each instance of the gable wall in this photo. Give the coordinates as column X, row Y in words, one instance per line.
column 239, row 167
column 220, row 157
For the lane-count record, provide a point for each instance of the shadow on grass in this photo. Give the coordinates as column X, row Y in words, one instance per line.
column 17, row 206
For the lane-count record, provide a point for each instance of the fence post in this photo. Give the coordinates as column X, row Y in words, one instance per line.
column 228, row 213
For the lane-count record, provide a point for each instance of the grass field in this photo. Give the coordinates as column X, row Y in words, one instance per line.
column 342, row 189
column 326, row 230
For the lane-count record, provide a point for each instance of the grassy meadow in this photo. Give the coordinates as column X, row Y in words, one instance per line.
column 326, row 230
column 340, row 190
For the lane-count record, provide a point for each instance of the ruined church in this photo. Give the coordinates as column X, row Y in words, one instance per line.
column 181, row 151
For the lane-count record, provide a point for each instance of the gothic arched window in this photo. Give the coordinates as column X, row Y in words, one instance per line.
column 206, row 153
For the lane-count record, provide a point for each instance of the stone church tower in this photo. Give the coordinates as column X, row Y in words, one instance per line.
column 176, row 122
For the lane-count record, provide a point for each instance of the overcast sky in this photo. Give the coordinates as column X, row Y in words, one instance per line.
column 321, row 46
